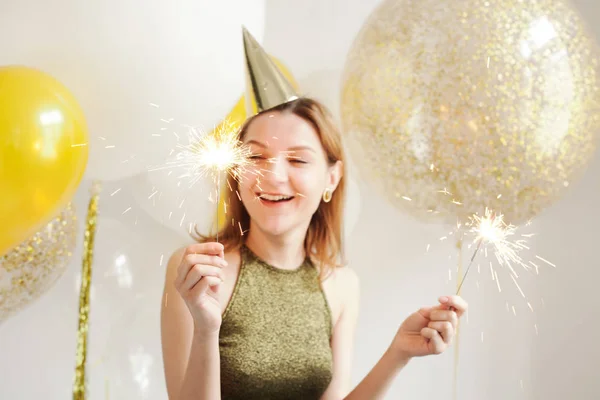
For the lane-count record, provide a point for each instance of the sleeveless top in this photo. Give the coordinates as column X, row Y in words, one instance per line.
column 275, row 336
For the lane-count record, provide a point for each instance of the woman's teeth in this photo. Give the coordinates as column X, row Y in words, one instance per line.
column 270, row 197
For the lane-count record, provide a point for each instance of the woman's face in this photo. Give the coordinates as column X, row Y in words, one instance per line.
column 284, row 186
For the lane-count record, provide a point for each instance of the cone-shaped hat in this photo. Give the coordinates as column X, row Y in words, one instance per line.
column 266, row 86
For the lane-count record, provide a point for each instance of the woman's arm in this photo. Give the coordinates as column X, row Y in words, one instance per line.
column 344, row 284
column 428, row 331
column 377, row 382
column 191, row 361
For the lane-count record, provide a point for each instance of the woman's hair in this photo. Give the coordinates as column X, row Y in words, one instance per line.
column 323, row 242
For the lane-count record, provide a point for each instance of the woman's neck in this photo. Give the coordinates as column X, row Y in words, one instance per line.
column 281, row 251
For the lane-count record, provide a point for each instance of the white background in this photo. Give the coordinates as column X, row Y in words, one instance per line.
column 501, row 355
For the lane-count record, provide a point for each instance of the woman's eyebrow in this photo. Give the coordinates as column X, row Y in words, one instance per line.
column 300, row 148
column 290, row 150
column 255, row 142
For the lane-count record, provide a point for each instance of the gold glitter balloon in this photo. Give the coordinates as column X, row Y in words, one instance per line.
column 30, row 269
column 454, row 106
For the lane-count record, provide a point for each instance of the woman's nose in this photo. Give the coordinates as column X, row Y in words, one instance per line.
column 277, row 169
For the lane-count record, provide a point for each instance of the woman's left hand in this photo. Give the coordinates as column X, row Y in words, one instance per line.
column 429, row 330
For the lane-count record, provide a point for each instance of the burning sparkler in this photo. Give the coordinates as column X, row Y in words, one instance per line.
column 491, row 229
column 502, row 239
column 211, row 154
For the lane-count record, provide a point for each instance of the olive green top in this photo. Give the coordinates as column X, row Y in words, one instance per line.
column 275, row 336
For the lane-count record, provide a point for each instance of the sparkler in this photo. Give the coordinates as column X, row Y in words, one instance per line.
column 212, row 154
column 492, row 230
column 469, row 267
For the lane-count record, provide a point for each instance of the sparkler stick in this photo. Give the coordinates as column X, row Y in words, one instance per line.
column 469, row 266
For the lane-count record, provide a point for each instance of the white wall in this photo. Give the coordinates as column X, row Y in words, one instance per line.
column 37, row 346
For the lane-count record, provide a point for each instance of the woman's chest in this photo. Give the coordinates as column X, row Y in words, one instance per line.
column 231, row 285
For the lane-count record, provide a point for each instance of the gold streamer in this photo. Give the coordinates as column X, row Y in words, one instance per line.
column 79, row 385
column 457, row 341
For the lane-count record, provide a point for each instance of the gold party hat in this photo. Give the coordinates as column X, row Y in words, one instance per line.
column 266, row 86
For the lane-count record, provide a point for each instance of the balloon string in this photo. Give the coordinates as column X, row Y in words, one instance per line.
column 79, row 385
column 218, row 201
column 457, row 343
column 460, row 283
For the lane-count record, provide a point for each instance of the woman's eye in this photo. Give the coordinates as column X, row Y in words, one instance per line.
column 297, row 161
column 256, row 157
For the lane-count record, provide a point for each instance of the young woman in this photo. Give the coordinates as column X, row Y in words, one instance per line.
column 270, row 312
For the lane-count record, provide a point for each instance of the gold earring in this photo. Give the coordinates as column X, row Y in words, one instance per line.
column 327, row 195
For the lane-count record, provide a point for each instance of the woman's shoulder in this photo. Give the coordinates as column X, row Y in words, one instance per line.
column 343, row 283
column 344, row 276
column 341, row 288
column 177, row 255
column 175, row 259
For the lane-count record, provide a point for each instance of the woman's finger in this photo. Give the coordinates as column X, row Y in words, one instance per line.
column 202, row 286
column 444, row 315
column 444, row 328
column 188, row 262
column 206, row 259
column 455, row 303
column 436, row 344
column 211, row 248
column 197, row 272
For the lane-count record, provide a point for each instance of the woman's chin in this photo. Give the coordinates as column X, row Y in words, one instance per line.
column 273, row 229
column 277, row 226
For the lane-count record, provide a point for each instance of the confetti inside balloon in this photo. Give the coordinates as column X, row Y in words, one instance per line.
column 493, row 101
column 30, row 269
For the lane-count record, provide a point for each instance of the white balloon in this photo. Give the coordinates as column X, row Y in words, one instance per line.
column 139, row 69
column 181, row 205
column 132, row 359
column 131, row 250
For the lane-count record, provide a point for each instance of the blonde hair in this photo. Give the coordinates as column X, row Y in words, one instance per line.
column 323, row 241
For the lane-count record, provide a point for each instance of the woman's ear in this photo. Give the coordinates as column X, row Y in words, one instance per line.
column 335, row 173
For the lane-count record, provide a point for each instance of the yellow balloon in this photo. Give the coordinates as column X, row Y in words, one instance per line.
column 43, row 151
column 455, row 106
column 235, row 119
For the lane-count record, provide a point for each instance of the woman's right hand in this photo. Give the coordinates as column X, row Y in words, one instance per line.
column 199, row 276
